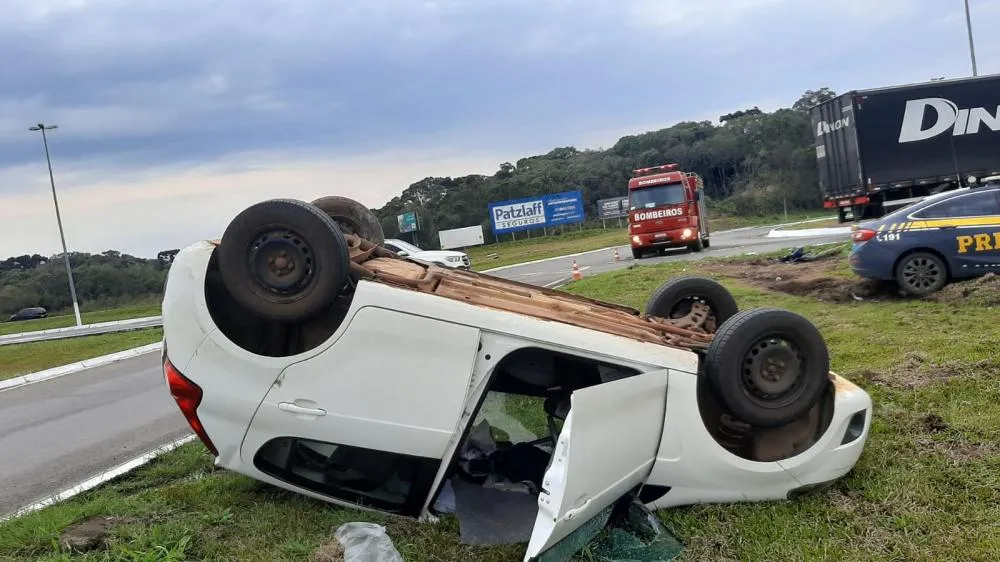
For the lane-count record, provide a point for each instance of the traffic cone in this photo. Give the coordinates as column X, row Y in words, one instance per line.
column 576, row 271
column 616, row 256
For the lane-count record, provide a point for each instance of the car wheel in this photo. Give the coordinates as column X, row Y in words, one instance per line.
column 283, row 260
column 352, row 217
column 674, row 298
column 768, row 366
column 921, row 273
column 636, row 253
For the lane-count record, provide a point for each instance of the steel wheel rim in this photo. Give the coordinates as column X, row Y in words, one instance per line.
column 280, row 261
column 773, row 371
column 921, row 273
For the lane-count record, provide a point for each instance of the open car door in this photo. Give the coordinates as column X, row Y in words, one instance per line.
column 606, row 448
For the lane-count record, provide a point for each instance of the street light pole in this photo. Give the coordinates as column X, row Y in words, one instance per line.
column 972, row 48
column 69, row 270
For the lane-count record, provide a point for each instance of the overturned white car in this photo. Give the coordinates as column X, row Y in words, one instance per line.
column 305, row 355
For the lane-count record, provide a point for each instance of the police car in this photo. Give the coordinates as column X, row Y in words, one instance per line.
column 946, row 237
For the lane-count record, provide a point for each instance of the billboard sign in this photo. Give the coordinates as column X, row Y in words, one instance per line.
column 536, row 212
column 407, row 222
column 613, row 208
column 461, row 237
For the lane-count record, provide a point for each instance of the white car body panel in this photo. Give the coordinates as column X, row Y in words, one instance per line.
column 417, row 368
column 409, row 404
column 699, row 470
column 606, row 447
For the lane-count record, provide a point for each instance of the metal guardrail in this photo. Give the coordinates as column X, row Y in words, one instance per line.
column 85, row 330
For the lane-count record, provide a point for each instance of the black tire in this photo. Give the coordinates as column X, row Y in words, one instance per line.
column 706, row 242
column 921, row 273
column 636, row 253
column 310, row 251
column 756, row 345
column 673, row 299
column 352, row 217
column 696, row 246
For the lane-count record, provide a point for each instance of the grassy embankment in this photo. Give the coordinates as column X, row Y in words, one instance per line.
column 23, row 358
column 141, row 309
column 926, row 488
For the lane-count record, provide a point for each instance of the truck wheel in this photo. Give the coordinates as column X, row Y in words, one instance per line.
column 696, row 246
column 352, row 217
column 706, row 242
column 768, row 366
column 283, row 260
column 673, row 299
column 921, row 273
column 636, row 253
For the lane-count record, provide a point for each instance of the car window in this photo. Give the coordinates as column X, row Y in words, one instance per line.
column 391, row 247
column 970, row 205
column 392, row 482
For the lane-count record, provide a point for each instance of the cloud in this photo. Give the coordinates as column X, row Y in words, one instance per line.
column 146, row 213
column 156, row 98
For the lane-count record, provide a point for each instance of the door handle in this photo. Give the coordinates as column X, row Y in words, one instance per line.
column 294, row 409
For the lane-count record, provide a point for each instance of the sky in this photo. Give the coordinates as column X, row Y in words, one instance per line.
column 174, row 116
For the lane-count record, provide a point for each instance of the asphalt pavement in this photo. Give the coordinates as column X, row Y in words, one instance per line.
column 57, row 433
column 558, row 271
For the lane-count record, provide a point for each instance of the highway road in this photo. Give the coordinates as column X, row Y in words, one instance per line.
column 553, row 273
column 57, row 433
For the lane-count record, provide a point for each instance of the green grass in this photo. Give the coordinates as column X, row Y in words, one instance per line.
column 138, row 310
column 24, row 358
column 926, row 488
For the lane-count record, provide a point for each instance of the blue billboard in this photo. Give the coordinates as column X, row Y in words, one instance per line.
column 536, row 212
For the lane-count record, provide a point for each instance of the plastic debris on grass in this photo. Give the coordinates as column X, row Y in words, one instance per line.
column 366, row 542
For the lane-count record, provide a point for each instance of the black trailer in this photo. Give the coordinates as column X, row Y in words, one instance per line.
column 883, row 148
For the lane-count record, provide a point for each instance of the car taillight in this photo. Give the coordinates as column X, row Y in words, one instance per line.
column 188, row 396
column 863, row 235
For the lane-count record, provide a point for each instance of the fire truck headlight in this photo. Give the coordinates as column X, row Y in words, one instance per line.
column 686, row 233
column 636, row 240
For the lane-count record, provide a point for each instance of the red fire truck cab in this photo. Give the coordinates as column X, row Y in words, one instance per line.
column 665, row 210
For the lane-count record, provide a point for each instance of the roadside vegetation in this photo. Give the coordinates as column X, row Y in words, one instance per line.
column 926, row 488
column 23, row 358
column 142, row 308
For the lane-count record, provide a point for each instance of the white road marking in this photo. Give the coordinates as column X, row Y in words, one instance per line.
column 556, row 283
column 99, row 479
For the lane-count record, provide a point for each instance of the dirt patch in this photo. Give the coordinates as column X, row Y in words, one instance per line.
column 980, row 291
column 822, row 279
column 89, row 534
column 934, row 423
column 329, row 552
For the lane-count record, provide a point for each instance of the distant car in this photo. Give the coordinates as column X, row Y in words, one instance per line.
column 31, row 313
column 318, row 362
column 446, row 258
column 946, row 237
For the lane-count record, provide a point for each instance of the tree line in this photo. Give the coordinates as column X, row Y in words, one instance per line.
column 753, row 163
column 102, row 280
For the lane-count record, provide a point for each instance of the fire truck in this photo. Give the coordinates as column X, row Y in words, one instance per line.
column 665, row 210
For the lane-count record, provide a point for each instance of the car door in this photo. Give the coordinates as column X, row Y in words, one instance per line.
column 607, row 447
column 966, row 229
column 367, row 421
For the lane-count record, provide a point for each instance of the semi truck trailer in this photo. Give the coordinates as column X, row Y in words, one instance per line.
column 880, row 149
